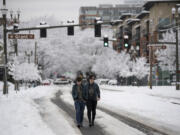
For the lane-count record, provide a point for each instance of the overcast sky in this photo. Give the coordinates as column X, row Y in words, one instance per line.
column 61, row 9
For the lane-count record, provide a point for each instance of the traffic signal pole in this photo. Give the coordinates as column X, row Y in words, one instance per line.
column 151, row 65
column 54, row 27
column 5, row 87
column 177, row 57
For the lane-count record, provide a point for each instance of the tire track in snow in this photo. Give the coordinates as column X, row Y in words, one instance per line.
column 133, row 123
column 86, row 130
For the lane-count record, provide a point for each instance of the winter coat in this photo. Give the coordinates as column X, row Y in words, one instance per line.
column 75, row 92
column 96, row 91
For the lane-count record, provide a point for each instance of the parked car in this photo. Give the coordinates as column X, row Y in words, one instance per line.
column 62, row 81
column 46, row 82
column 112, row 82
column 102, row 81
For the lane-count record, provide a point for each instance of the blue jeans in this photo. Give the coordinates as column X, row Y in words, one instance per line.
column 79, row 106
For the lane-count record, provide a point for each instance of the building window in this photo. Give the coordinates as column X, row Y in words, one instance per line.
column 163, row 23
column 138, row 32
column 91, row 12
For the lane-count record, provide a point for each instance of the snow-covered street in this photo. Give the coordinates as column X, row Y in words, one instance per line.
column 31, row 111
column 98, row 67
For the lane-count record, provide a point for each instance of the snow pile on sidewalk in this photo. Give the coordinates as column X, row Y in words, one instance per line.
column 159, row 107
column 20, row 115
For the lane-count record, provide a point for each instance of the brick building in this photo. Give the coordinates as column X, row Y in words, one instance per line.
column 145, row 26
column 107, row 12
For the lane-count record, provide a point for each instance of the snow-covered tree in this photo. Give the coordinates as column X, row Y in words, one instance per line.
column 26, row 72
column 140, row 69
column 167, row 57
column 68, row 54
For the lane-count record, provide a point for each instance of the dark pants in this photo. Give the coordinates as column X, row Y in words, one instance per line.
column 91, row 110
column 79, row 106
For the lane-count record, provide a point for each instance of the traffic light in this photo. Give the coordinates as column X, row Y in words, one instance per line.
column 106, row 44
column 15, row 26
column 43, row 33
column 126, row 42
column 97, row 28
column 70, row 30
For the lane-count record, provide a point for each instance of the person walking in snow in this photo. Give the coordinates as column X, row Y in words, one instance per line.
column 93, row 95
column 79, row 95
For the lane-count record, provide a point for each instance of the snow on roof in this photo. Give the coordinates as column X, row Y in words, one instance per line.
column 125, row 14
column 146, row 20
column 145, row 12
column 149, row 3
column 132, row 19
column 142, row 14
column 137, row 26
column 119, row 20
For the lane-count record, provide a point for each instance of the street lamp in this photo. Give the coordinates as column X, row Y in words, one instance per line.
column 15, row 19
column 14, row 22
column 134, row 52
column 18, row 13
column 176, row 16
column 4, row 11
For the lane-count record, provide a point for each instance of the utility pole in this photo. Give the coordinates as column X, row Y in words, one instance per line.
column 4, row 12
column 177, row 57
column 151, row 64
column 35, row 53
column 176, row 15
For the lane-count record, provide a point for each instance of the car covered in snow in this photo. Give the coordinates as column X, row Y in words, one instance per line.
column 112, row 82
column 46, row 82
column 102, row 81
column 62, row 81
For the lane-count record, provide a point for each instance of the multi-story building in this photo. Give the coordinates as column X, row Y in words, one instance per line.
column 160, row 16
column 106, row 12
column 143, row 29
column 155, row 16
column 87, row 15
column 135, row 1
column 146, row 28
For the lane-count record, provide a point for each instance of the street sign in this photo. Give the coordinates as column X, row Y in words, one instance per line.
column 157, row 46
column 21, row 36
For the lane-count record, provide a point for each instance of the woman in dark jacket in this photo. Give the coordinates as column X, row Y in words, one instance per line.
column 79, row 95
column 93, row 95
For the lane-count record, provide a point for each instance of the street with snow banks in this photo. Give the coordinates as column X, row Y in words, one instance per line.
column 49, row 110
